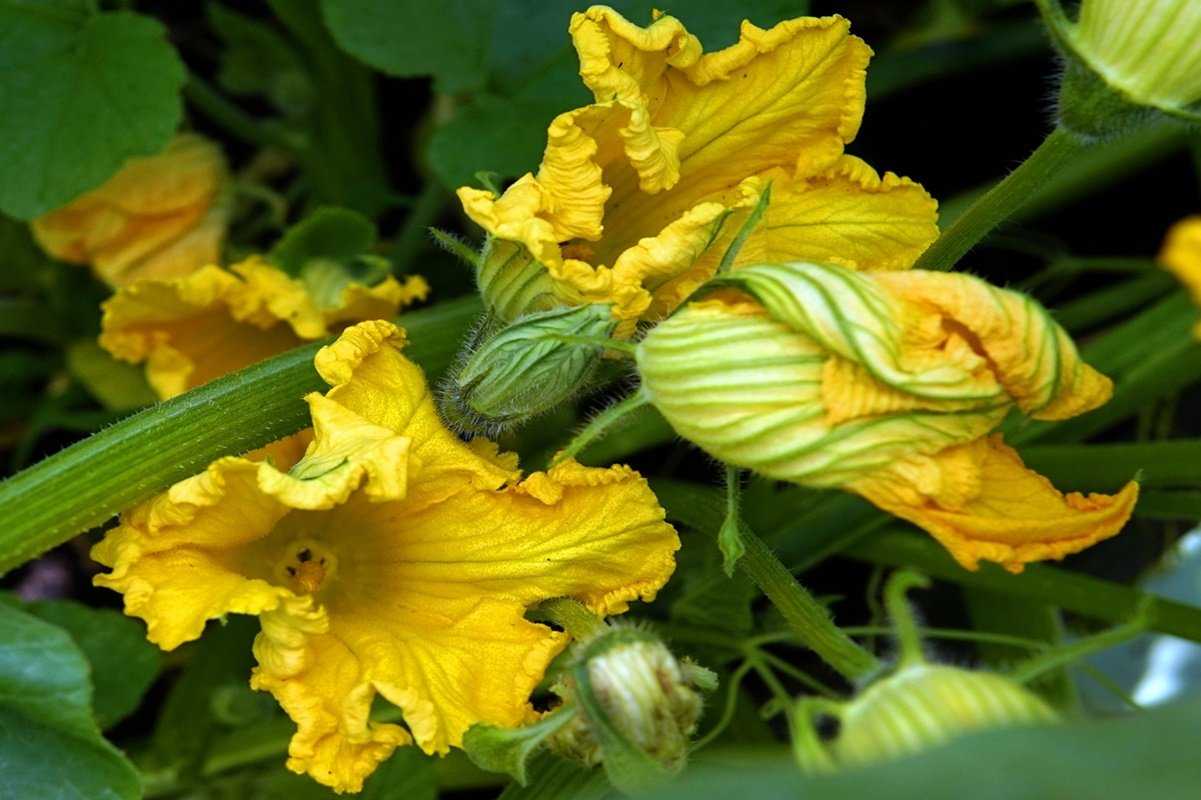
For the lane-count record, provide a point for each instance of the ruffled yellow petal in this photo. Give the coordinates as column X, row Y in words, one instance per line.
column 172, row 556
column 160, row 216
column 847, row 215
column 347, row 453
column 325, row 687
column 1181, row 255
column 981, row 502
column 373, row 380
column 193, row 329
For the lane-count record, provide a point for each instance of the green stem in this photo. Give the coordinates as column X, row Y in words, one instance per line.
column 1062, row 656
column 1002, row 200
column 236, row 121
column 414, row 234
column 809, row 619
column 570, row 615
column 597, row 426
column 84, row 485
column 904, row 624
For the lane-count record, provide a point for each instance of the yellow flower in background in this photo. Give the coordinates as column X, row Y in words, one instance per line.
column 160, row 216
column 639, row 193
column 193, row 329
column 887, row 385
column 391, row 558
column 1181, row 255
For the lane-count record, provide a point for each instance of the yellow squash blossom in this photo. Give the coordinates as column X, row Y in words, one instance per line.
column 193, row 329
column 639, row 193
column 160, row 216
column 887, row 385
column 1181, row 255
column 391, row 559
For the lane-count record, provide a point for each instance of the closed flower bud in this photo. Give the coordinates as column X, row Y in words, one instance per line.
column 918, row 706
column 1124, row 56
column 888, row 385
column 628, row 683
column 526, row 368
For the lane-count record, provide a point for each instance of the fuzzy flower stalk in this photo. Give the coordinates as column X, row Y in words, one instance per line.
column 888, row 385
column 384, row 556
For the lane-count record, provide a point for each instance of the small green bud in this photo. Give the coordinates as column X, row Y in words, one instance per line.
column 512, row 282
column 916, row 708
column 526, row 368
column 1127, row 61
column 639, row 706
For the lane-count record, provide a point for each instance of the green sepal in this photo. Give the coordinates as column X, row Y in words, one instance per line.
column 509, row 750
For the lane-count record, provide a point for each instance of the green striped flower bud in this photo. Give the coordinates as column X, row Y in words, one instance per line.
column 527, row 368
column 889, row 385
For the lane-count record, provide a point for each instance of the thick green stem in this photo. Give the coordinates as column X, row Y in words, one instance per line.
column 1002, row 200
column 82, row 486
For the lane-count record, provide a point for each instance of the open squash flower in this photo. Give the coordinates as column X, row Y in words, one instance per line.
column 392, row 559
column 887, row 385
column 193, row 329
column 1181, row 255
column 639, row 193
column 160, row 216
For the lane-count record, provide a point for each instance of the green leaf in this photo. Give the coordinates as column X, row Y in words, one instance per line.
column 707, row 597
column 408, row 774
column 118, row 385
column 189, row 720
column 334, row 234
column 82, row 92
column 1151, row 754
column 50, row 746
column 553, row 778
column 508, row 749
column 402, row 37
column 123, row 663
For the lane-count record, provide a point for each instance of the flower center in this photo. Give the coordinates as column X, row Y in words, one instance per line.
column 306, row 566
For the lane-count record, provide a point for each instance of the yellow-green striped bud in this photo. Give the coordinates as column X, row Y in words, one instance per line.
column 886, row 384
column 1128, row 57
column 527, row 368
column 918, row 707
column 632, row 697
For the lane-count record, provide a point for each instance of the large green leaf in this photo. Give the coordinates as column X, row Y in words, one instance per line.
column 1147, row 755
column 80, row 92
column 123, row 663
column 50, row 746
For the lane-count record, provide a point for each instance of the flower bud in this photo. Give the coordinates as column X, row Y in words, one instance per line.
column 1127, row 58
column 1181, row 255
column 888, row 385
column 526, row 368
column 920, row 706
column 512, row 282
column 627, row 683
